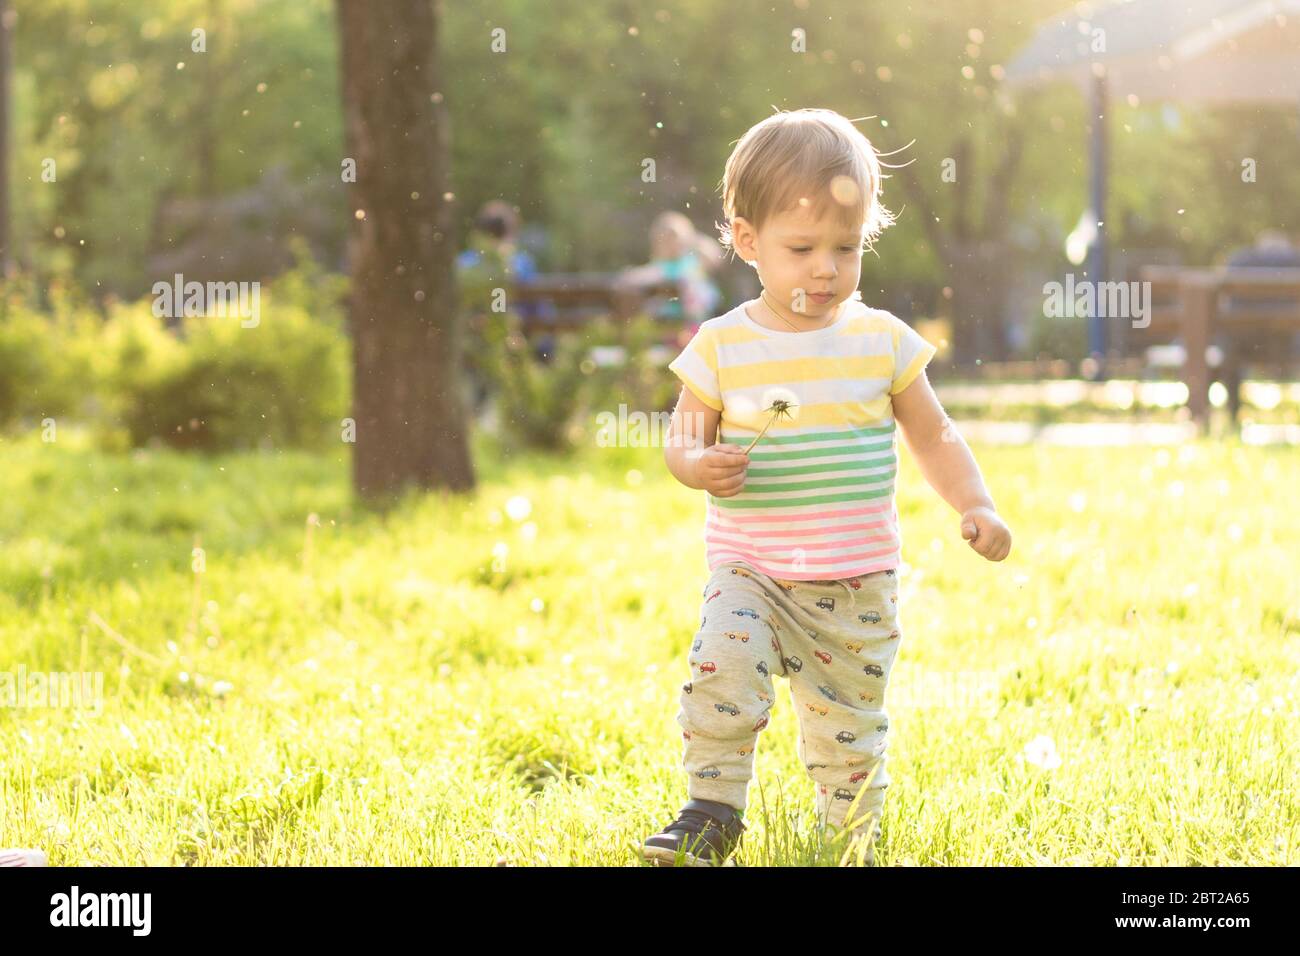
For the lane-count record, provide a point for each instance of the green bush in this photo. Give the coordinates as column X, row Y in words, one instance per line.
column 213, row 385
column 537, row 400
column 283, row 382
column 44, row 359
column 552, row 405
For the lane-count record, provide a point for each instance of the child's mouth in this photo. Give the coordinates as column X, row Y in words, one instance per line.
column 821, row 298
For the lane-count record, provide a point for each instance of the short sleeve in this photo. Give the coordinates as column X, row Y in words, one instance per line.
column 697, row 367
column 912, row 353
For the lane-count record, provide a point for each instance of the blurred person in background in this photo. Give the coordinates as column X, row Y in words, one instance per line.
column 493, row 259
column 494, row 238
column 1272, row 250
column 678, row 253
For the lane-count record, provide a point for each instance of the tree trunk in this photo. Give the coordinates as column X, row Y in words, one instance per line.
column 406, row 331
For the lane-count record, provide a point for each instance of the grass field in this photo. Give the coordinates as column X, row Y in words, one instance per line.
column 462, row 682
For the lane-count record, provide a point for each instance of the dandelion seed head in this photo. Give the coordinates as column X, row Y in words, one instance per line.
column 1041, row 752
column 780, row 405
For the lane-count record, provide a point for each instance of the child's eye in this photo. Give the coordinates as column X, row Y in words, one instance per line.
column 848, row 248
column 800, row 249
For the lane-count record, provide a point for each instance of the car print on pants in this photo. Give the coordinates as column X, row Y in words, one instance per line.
column 819, row 709
column 726, row 707
column 742, row 635
column 826, row 604
column 827, row 692
column 871, row 617
column 845, row 737
column 794, row 664
column 708, row 667
column 713, row 772
column 746, row 612
column 873, row 669
column 822, row 656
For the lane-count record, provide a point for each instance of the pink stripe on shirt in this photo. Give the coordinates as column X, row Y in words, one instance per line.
column 786, row 549
column 827, row 516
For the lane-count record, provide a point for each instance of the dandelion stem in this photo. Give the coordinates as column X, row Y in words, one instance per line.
column 759, row 435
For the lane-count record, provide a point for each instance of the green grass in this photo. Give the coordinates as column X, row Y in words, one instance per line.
column 405, row 700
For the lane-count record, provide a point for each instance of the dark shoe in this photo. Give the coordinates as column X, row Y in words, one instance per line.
column 704, row 834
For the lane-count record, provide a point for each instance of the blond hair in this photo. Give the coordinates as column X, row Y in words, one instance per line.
column 811, row 157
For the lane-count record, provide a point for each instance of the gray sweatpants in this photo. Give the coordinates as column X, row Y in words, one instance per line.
column 835, row 641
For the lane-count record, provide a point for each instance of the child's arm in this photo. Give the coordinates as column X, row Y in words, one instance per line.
column 693, row 454
column 948, row 465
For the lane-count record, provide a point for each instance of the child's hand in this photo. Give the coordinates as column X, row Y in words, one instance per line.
column 987, row 532
column 721, row 469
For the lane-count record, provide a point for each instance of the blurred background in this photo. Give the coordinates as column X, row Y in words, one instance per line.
column 206, row 138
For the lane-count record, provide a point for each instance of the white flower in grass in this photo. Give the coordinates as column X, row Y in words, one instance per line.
column 1041, row 752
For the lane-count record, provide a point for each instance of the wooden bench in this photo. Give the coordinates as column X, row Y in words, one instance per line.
column 1191, row 303
column 568, row 301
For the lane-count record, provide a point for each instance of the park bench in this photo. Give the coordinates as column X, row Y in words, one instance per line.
column 566, row 301
column 1197, row 304
column 556, row 302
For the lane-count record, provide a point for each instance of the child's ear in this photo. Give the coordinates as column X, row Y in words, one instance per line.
column 742, row 239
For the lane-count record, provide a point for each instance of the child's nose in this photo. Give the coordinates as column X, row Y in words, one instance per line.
column 825, row 267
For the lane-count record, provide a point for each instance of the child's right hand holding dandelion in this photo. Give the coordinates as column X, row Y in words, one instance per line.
column 721, row 468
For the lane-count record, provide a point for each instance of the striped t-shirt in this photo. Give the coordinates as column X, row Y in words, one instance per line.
column 818, row 499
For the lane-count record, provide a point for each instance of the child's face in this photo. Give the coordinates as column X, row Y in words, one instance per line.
column 795, row 250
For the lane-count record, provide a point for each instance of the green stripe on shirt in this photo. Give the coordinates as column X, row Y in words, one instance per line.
column 793, row 502
column 848, row 481
column 825, row 466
